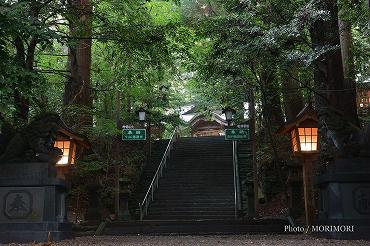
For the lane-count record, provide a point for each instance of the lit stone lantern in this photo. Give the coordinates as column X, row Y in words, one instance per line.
column 69, row 151
column 303, row 131
column 304, row 140
column 71, row 144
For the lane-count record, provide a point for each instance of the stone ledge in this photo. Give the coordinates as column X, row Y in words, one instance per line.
column 26, row 182
column 27, row 170
column 33, row 236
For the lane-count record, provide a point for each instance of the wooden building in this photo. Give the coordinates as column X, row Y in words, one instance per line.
column 206, row 125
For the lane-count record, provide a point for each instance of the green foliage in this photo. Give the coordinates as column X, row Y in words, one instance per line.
column 27, row 27
column 157, row 9
column 90, row 166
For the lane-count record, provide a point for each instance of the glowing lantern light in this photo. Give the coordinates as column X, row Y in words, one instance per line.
column 304, row 139
column 69, row 151
column 68, row 142
column 303, row 131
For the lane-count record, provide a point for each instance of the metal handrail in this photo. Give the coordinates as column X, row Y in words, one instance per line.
column 143, row 206
column 237, row 200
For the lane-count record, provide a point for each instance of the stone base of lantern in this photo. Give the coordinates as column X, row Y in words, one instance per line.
column 32, row 207
column 344, row 199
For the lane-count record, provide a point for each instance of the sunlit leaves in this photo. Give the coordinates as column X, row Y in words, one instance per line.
column 156, row 9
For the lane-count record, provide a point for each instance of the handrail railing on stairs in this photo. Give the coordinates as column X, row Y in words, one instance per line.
column 149, row 196
column 237, row 200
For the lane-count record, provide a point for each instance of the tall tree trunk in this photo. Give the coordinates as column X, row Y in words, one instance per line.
column 77, row 89
column 346, row 44
column 22, row 108
column 25, row 59
column 21, row 103
column 107, row 100
column 328, row 74
column 252, row 129
column 271, row 104
column 117, row 110
column 292, row 95
column 271, row 98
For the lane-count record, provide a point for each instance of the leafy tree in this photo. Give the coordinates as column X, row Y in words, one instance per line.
column 26, row 26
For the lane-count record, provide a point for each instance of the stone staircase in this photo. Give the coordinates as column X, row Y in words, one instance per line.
column 195, row 194
column 198, row 182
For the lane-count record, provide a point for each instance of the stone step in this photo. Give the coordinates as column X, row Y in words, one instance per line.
column 197, row 204
column 200, row 213
column 201, row 190
column 188, row 217
column 178, row 206
column 194, row 197
column 181, row 193
column 197, row 180
column 194, row 201
column 184, row 178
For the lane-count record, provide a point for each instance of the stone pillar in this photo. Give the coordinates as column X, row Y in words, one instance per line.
column 124, row 213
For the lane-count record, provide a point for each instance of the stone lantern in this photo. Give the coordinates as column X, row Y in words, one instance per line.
column 304, row 142
column 72, row 145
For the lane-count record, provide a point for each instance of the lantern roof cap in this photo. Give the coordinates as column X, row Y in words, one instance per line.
column 79, row 138
column 307, row 113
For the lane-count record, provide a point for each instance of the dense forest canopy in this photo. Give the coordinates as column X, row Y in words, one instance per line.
column 97, row 62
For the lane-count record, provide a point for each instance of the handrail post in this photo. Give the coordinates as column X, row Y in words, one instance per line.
column 141, row 211
column 235, row 192
column 237, row 177
column 237, row 201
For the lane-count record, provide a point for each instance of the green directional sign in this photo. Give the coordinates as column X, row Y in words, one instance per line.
column 237, row 134
column 133, row 134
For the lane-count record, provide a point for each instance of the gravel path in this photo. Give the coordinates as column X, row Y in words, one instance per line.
column 233, row 240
